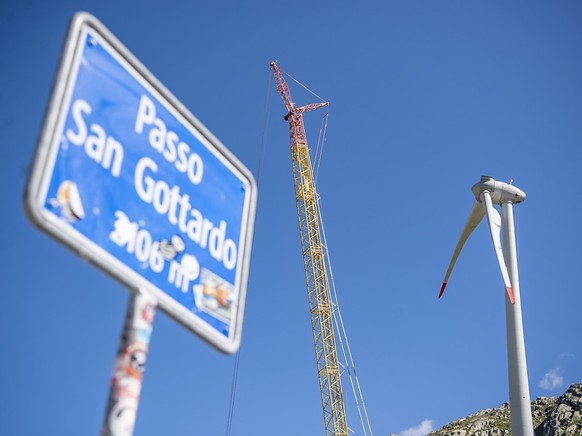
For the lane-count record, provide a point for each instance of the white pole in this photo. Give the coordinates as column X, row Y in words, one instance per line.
column 126, row 381
column 519, row 399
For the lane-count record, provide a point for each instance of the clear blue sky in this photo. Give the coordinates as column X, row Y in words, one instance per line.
column 426, row 96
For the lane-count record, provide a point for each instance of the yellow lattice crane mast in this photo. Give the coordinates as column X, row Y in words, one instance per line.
column 316, row 276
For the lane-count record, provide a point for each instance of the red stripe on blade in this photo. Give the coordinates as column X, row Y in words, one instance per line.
column 442, row 289
column 510, row 293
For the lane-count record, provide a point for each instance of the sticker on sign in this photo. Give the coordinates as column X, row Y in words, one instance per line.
column 128, row 178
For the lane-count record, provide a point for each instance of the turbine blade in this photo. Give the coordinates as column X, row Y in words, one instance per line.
column 494, row 220
column 475, row 217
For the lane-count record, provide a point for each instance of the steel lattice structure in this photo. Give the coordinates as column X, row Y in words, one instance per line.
column 316, row 275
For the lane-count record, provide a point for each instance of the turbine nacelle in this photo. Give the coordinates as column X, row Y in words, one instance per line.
column 488, row 192
column 500, row 192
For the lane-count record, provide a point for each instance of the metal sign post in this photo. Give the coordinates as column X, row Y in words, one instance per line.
column 126, row 380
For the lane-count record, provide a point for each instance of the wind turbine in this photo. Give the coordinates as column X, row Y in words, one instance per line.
column 488, row 192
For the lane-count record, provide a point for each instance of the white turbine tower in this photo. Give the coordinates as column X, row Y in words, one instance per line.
column 487, row 192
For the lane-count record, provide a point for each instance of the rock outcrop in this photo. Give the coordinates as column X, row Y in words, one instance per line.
column 556, row 416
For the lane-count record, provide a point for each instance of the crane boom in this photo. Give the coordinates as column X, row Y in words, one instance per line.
column 316, row 274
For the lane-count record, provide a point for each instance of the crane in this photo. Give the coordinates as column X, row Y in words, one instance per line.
column 316, row 275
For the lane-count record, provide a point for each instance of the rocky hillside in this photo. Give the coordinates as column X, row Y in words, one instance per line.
column 556, row 416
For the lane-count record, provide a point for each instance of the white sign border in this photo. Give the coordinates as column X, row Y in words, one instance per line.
column 45, row 157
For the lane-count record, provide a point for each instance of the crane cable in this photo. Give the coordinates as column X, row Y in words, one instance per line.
column 343, row 340
column 232, row 394
column 320, row 143
column 259, row 175
column 336, row 314
column 301, row 84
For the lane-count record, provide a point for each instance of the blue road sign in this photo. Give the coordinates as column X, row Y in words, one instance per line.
column 127, row 177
